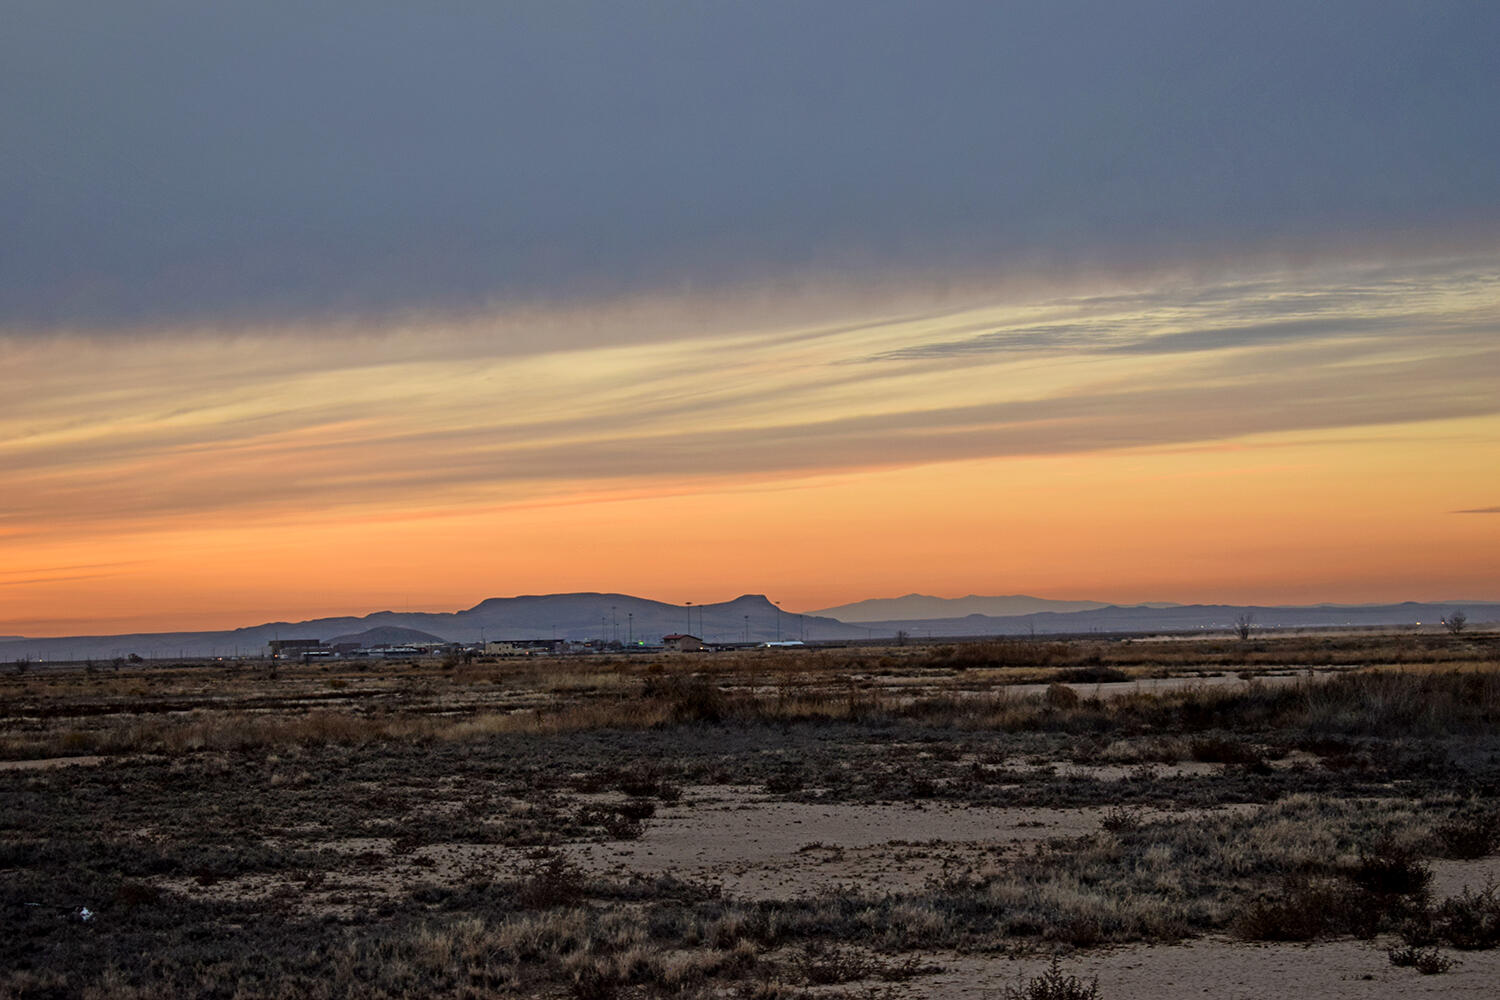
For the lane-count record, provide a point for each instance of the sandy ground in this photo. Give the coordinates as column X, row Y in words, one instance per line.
column 760, row 848
column 1227, row 970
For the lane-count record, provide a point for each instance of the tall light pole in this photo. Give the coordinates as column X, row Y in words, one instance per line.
column 747, row 630
column 778, row 621
column 690, row 617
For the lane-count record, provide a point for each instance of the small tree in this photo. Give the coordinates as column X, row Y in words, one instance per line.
column 1455, row 622
column 1242, row 625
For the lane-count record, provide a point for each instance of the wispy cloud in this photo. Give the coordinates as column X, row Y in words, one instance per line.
column 1479, row 510
column 1229, row 315
column 365, row 420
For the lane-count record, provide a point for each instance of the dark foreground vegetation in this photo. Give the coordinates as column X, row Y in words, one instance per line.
column 407, row 830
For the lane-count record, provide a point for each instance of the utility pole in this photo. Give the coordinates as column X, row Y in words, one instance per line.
column 630, row 624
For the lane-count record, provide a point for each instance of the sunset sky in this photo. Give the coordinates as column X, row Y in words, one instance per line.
column 324, row 307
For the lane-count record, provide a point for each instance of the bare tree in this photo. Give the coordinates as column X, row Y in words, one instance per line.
column 1455, row 622
column 1242, row 625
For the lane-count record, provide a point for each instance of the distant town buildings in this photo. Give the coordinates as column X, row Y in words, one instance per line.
column 525, row 647
column 316, row 649
column 296, row 649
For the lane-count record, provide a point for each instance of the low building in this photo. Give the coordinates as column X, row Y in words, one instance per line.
column 680, row 643
column 293, row 649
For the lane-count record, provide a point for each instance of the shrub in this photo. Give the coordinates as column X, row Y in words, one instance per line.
column 552, row 881
column 637, row 809
column 620, row 822
column 1427, row 961
column 1470, row 921
column 1218, row 750
column 821, row 966
column 1054, row 984
column 1121, row 819
column 1061, row 696
column 1392, row 870
column 690, row 699
column 644, row 782
column 1310, row 908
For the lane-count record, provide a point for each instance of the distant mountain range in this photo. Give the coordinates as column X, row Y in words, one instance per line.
column 750, row 618
column 916, row 606
column 1190, row 618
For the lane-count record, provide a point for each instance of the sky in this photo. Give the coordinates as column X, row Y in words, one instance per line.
column 321, row 308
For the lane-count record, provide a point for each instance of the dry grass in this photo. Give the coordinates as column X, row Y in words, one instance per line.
column 1345, row 778
column 183, row 711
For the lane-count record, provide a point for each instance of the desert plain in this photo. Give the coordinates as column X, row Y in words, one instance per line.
column 1286, row 815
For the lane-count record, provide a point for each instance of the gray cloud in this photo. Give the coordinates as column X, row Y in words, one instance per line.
column 168, row 160
column 1479, row 510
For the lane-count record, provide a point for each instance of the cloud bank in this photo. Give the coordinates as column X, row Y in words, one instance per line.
column 281, row 423
column 168, row 161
